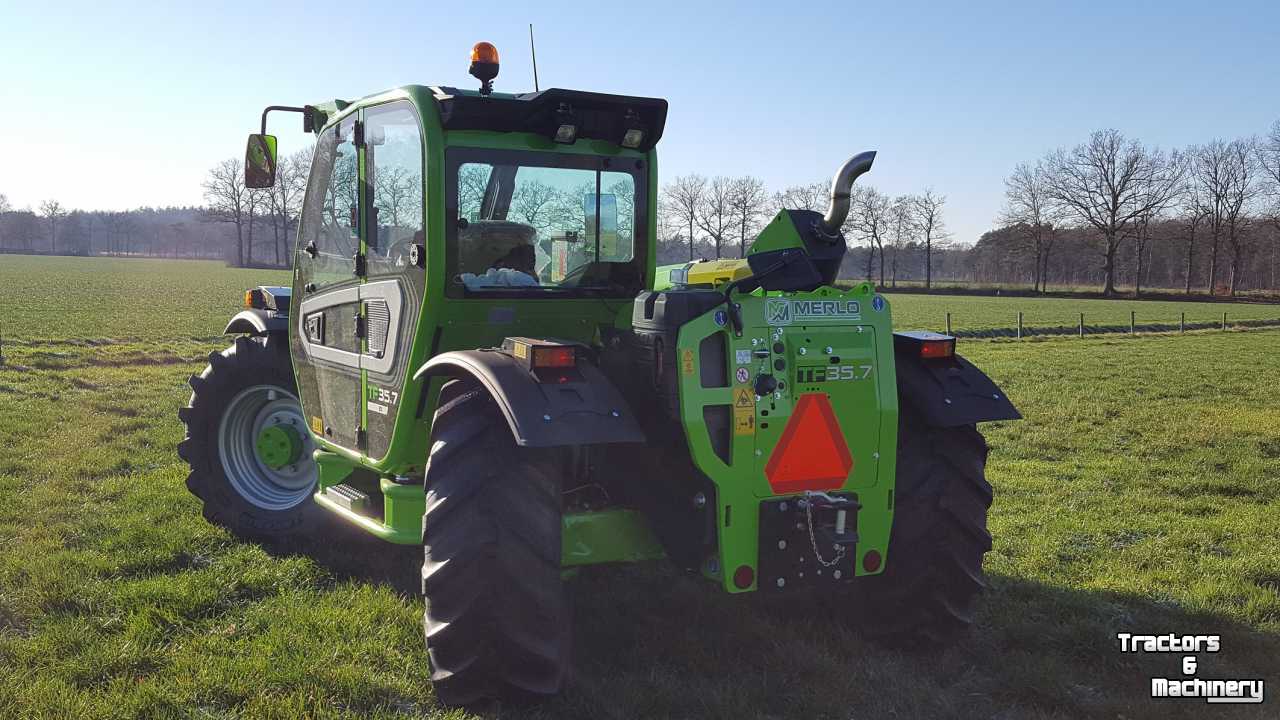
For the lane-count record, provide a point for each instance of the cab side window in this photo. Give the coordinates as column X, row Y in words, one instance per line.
column 328, row 239
column 393, row 167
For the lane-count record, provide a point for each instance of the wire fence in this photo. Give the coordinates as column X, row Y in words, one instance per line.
column 1081, row 328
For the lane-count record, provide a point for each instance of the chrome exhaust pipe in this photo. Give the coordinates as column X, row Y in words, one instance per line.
column 842, row 191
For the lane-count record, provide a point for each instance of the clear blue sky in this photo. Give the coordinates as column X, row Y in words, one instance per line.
column 118, row 107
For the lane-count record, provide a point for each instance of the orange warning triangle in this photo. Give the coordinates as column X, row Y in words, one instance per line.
column 812, row 453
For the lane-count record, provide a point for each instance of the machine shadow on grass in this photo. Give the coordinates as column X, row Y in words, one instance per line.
column 651, row 641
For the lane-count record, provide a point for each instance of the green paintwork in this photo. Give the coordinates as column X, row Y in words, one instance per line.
column 866, row 407
column 333, row 468
column 617, row 535
column 780, row 233
column 278, row 445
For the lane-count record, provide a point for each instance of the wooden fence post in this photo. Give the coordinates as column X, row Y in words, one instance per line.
column 1019, row 324
column 1224, row 322
column 1182, row 323
column 1081, row 324
column 948, row 323
column 1133, row 324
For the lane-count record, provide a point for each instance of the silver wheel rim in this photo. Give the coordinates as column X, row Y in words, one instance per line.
column 247, row 415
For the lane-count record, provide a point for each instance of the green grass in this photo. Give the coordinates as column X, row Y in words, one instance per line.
column 1140, row 494
column 91, row 299
column 970, row 312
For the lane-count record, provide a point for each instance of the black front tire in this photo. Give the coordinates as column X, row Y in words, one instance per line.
column 497, row 619
column 249, row 362
column 933, row 574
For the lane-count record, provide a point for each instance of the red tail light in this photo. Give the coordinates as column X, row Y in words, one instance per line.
column 554, row 357
column 936, row 349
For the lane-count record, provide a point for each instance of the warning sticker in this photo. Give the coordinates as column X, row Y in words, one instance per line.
column 317, row 425
column 743, row 356
column 686, row 362
column 744, row 412
column 742, row 375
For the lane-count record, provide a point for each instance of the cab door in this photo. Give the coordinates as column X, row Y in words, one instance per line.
column 395, row 258
column 324, row 334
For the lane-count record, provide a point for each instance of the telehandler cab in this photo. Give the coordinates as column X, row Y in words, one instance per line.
column 478, row 354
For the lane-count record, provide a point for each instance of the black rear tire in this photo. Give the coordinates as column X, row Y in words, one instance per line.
column 497, row 620
column 249, row 362
column 933, row 573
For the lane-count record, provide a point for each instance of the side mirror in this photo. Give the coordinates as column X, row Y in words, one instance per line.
column 602, row 227
column 260, row 161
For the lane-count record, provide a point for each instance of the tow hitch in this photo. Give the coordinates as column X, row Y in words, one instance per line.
column 808, row 541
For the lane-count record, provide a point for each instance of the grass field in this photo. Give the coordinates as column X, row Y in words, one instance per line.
column 1140, row 494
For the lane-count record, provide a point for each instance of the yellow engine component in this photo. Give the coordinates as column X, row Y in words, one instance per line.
column 717, row 272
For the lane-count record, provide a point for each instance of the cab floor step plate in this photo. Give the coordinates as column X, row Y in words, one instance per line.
column 348, row 497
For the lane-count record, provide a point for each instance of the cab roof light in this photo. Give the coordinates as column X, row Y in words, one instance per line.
column 633, row 130
column 566, row 125
column 484, row 65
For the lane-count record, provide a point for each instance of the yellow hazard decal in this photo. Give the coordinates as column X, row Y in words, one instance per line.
column 317, row 425
column 686, row 361
column 744, row 412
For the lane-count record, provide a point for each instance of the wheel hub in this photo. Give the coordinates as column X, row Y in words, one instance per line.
column 279, row 445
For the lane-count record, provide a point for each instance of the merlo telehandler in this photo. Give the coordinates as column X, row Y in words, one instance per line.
column 479, row 355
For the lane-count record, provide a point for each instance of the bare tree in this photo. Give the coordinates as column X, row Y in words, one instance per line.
column 1211, row 169
column 532, row 202
column 1147, row 221
column 472, row 181
column 1242, row 190
column 1269, row 160
column 1268, row 150
column 928, row 208
column 287, row 197
column 1193, row 217
column 52, row 211
column 1107, row 183
column 4, row 208
column 228, row 200
column 394, row 192
column 715, row 212
column 902, row 232
column 1029, row 207
column 748, row 200
column 869, row 219
column 682, row 203
column 813, row 196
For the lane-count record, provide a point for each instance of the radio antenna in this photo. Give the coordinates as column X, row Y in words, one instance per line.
column 534, row 53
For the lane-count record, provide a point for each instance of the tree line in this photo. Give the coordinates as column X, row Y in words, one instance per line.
column 902, row 236
column 243, row 226
column 1111, row 211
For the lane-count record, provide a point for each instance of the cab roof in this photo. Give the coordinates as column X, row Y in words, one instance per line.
column 598, row 116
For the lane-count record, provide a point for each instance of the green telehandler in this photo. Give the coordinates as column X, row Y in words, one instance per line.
column 479, row 355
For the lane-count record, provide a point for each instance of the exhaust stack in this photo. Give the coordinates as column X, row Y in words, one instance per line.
column 841, row 191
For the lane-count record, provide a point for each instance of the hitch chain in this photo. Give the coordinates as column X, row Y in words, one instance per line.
column 813, row 540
